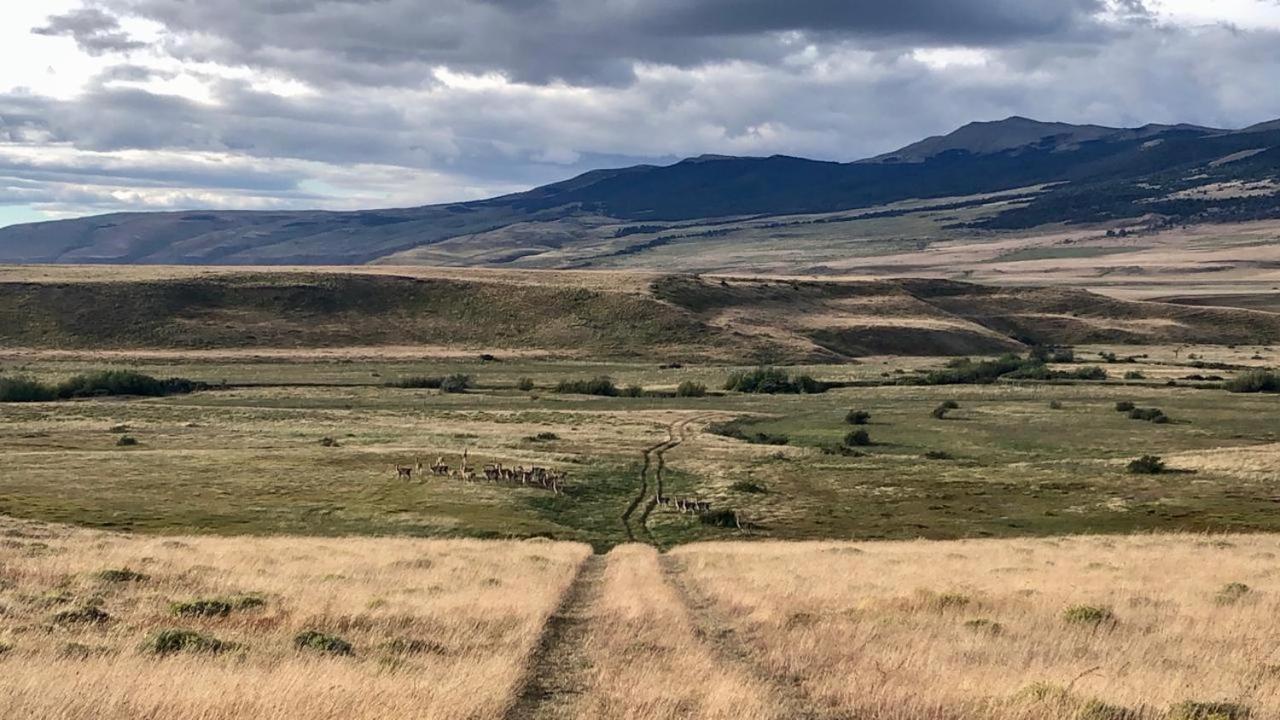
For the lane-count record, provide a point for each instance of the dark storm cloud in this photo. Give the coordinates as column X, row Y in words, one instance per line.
column 396, row 42
column 95, row 31
column 368, row 118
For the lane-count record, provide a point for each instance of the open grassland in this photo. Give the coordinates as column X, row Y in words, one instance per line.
column 310, row 448
column 1084, row 628
column 1140, row 627
column 107, row 626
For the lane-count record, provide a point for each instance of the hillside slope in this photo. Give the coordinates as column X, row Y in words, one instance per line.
column 1074, row 174
column 676, row 317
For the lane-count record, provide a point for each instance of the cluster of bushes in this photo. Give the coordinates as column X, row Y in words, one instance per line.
column 602, row 386
column 965, row 371
column 689, row 388
column 738, row 430
column 455, row 383
column 95, row 384
column 1254, row 381
column 772, row 381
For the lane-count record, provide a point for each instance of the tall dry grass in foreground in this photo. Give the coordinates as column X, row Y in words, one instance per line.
column 437, row 629
column 1087, row 628
column 647, row 663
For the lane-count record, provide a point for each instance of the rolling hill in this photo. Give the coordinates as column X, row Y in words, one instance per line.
column 582, row 315
column 1014, row 174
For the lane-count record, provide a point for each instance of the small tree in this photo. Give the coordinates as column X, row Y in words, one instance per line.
column 1147, row 465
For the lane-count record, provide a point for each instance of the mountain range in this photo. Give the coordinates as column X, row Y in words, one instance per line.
column 1012, row 175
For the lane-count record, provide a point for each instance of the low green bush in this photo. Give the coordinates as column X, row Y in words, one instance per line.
column 749, row 486
column 1254, row 381
column 25, row 389
column 315, row 641
column 602, row 386
column 857, row 417
column 1088, row 615
column 121, row 575
column 169, row 642
column 456, row 383
column 689, row 388
column 418, row 382
column 524, row 384
column 1125, row 406
column 857, row 438
column 1192, row 710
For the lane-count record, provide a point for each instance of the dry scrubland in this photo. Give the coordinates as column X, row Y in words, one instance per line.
column 437, row 629
column 1166, row 627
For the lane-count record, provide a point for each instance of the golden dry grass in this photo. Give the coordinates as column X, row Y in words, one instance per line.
column 925, row 631
column 647, row 662
column 440, row 629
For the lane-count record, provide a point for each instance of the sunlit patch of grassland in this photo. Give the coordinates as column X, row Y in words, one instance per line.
column 436, row 628
column 1121, row 627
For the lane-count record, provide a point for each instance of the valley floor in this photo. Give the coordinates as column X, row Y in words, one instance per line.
column 301, row 447
column 102, row 625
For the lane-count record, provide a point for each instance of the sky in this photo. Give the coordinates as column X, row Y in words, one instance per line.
column 131, row 105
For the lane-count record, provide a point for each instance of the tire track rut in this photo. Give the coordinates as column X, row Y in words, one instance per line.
column 714, row 630
column 558, row 671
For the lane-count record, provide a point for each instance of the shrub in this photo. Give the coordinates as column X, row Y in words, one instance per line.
column 772, row 381
column 1191, row 710
column 940, row 412
column 749, row 486
column 1088, row 615
column 328, row 442
column 689, row 388
column 412, row 646
column 985, row 626
column 524, row 384
column 857, row 438
column 126, row 441
column 737, row 430
column 632, row 391
column 1232, row 592
column 1125, row 406
column 602, row 385
column 857, row 417
column 1097, row 710
column 1055, row 404
column 951, row 404
column 319, row 642
column 938, row 455
column 1155, row 415
column 168, row 642
column 456, row 383
column 949, row 601
column 120, row 575
column 201, row 608
column 1065, row 355
column 215, row 607
column 1147, row 465
column 1254, row 381
column 111, row 382
column 1089, row 372
column 84, row 615
column 544, row 437
column 1134, row 375
column 24, row 389
column 419, row 382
